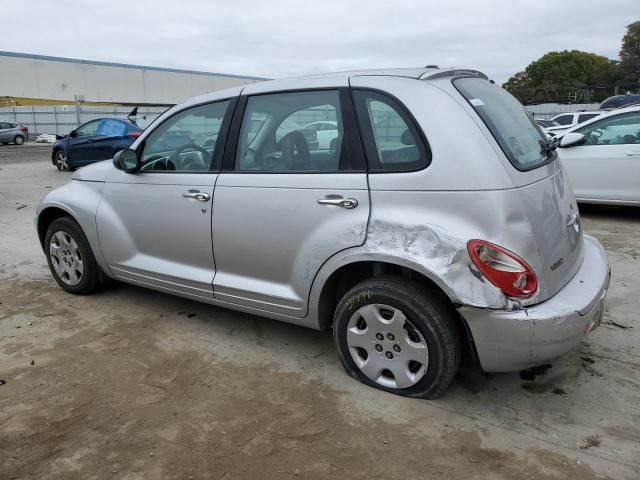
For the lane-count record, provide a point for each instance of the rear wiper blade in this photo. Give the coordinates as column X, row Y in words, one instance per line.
column 548, row 146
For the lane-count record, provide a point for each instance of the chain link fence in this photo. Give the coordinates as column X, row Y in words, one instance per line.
column 61, row 119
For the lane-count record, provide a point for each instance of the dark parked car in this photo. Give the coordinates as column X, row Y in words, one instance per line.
column 618, row 101
column 12, row 132
column 92, row 142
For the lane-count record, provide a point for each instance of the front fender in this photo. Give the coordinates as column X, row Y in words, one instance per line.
column 79, row 200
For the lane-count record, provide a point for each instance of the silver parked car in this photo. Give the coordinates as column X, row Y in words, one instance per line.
column 414, row 241
column 602, row 158
column 12, row 132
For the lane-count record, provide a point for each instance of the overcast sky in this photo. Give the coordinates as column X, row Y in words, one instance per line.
column 284, row 38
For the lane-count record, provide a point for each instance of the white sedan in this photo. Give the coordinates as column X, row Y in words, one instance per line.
column 327, row 132
column 602, row 158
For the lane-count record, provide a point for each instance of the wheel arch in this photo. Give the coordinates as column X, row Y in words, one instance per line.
column 347, row 275
column 48, row 215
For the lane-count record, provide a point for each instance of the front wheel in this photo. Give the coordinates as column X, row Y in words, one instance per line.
column 70, row 258
column 61, row 161
column 396, row 335
column 19, row 140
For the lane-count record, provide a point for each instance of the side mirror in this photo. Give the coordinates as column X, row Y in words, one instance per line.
column 572, row 139
column 73, row 134
column 126, row 160
column 60, row 137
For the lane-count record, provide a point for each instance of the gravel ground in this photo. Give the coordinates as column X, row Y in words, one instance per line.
column 134, row 384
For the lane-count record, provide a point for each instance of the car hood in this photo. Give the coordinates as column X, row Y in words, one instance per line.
column 95, row 172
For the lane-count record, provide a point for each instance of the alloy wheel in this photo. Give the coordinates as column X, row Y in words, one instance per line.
column 61, row 161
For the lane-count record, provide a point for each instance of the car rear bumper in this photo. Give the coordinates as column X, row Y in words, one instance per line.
column 517, row 339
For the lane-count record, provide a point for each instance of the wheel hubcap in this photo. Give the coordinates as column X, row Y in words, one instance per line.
column 386, row 347
column 66, row 258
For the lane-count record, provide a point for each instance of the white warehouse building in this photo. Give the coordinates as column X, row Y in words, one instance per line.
column 27, row 79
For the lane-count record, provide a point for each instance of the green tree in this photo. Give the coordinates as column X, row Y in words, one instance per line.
column 630, row 53
column 561, row 73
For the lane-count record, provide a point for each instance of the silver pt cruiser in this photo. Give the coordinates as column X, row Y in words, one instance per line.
column 439, row 223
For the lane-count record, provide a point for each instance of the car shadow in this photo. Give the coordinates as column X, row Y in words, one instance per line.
column 610, row 212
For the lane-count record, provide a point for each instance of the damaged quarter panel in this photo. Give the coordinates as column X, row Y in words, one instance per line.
column 431, row 230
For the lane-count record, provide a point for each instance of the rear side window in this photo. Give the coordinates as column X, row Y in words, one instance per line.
column 277, row 134
column 583, row 117
column 515, row 130
column 391, row 139
column 111, row 128
column 564, row 119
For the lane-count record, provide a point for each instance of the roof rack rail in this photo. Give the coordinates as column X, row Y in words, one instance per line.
column 634, row 104
column 452, row 72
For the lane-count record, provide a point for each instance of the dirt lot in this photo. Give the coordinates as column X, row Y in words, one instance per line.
column 133, row 384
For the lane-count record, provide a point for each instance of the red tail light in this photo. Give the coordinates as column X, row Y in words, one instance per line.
column 24, row 129
column 503, row 269
column 135, row 134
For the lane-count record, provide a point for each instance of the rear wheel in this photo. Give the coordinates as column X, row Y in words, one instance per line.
column 18, row 140
column 396, row 335
column 70, row 258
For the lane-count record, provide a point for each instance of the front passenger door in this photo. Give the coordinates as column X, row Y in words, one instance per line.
column 155, row 225
column 79, row 146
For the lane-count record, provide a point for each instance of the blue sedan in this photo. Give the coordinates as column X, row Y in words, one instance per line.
column 94, row 141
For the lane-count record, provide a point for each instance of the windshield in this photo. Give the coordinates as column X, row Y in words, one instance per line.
column 515, row 130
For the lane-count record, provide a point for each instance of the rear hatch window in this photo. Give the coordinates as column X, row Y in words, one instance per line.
column 522, row 140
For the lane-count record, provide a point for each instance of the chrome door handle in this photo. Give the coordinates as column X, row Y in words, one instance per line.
column 633, row 154
column 200, row 196
column 339, row 202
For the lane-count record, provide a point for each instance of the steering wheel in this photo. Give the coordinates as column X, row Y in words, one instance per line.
column 176, row 155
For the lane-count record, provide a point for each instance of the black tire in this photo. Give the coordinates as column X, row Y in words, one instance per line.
column 90, row 279
column 58, row 161
column 18, row 140
column 425, row 311
column 333, row 144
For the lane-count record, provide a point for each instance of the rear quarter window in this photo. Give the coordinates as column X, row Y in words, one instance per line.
column 391, row 138
column 564, row 119
column 583, row 117
column 519, row 136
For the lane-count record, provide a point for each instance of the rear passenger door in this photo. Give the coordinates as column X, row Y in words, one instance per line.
column 283, row 206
